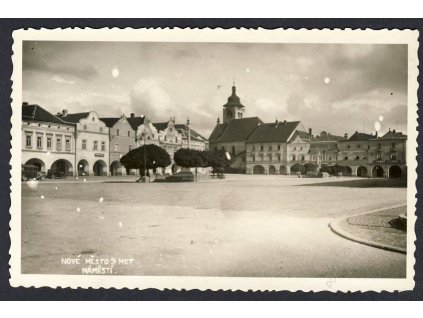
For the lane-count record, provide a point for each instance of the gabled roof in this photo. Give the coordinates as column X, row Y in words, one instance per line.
column 272, row 132
column 39, row 114
column 235, row 130
column 394, row 135
column 183, row 130
column 135, row 122
column 357, row 136
column 74, row 118
column 110, row 121
column 303, row 134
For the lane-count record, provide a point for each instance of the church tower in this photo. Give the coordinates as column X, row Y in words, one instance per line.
column 233, row 109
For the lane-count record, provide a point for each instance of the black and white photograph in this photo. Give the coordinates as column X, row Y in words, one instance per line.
column 242, row 159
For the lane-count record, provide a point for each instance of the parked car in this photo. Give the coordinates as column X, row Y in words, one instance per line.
column 185, row 176
column 55, row 174
column 30, row 172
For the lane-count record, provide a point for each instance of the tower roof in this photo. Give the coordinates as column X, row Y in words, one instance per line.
column 234, row 100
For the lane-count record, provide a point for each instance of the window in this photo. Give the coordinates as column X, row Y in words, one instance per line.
column 279, row 157
column 129, row 133
column 368, row 146
column 301, row 148
column 103, row 146
column 117, row 132
column 84, row 144
column 254, row 148
column 270, row 148
column 93, row 119
column 393, row 145
column 379, row 146
column 330, row 158
column 302, row 158
column 48, row 142
column 293, row 158
column 261, row 148
column 295, row 148
column 348, row 146
column 393, row 157
column 116, row 147
column 101, row 129
column 95, row 147
column 28, row 140
column 67, row 144
column 39, row 141
column 357, row 157
column 85, row 127
column 59, row 143
column 346, row 158
column 261, row 157
column 269, row 156
column 279, row 147
column 253, row 158
column 379, row 157
column 358, row 146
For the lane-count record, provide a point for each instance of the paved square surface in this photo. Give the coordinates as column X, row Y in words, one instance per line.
column 241, row 226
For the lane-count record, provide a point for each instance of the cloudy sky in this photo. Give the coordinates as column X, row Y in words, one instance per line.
column 334, row 87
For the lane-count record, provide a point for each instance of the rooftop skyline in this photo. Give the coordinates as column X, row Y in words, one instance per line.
column 333, row 87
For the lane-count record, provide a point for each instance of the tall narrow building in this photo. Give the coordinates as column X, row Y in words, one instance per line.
column 233, row 109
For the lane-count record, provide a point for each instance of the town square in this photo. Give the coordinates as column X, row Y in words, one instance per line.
column 155, row 159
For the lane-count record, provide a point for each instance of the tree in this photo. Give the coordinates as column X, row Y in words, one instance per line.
column 298, row 167
column 310, row 167
column 189, row 158
column 146, row 157
column 217, row 160
column 338, row 169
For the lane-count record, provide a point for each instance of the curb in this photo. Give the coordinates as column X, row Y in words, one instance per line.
column 335, row 227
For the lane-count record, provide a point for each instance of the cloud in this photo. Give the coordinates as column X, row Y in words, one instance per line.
column 44, row 59
column 61, row 80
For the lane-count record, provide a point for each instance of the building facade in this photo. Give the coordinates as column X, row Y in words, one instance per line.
column 92, row 143
column 324, row 148
column 367, row 155
column 275, row 148
column 48, row 142
column 122, row 140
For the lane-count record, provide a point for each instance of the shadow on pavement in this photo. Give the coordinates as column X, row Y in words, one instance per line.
column 362, row 183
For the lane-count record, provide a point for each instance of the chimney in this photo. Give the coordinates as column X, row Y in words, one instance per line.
column 218, row 120
column 276, row 123
column 310, row 133
column 284, row 122
column 132, row 115
column 25, row 104
column 64, row 112
column 394, row 131
column 346, row 135
column 376, row 134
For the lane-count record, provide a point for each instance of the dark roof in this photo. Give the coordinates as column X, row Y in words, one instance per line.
column 183, row 130
column 110, row 121
column 361, row 137
column 235, row 129
column 324, row 136
column 135, row 122
column 73, row 118
column 303, row 134
column 161, row 126
column 273, row 132
column 233, row 100
column 37, row 113
column 394, row 135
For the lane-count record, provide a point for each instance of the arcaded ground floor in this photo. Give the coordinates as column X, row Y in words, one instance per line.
column 243, row 225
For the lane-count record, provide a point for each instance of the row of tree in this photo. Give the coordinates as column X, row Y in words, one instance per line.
column 152, row 157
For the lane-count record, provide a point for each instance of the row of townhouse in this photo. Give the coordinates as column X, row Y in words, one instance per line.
column 84, row 144
column 274, row 148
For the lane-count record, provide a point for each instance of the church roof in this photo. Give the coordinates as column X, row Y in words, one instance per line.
column 39, row 114
column 272, row 132
column 235, row 130
column 233, row 100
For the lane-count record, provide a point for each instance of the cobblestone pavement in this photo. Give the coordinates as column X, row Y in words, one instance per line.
column 241, row 226
column 381, row 227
